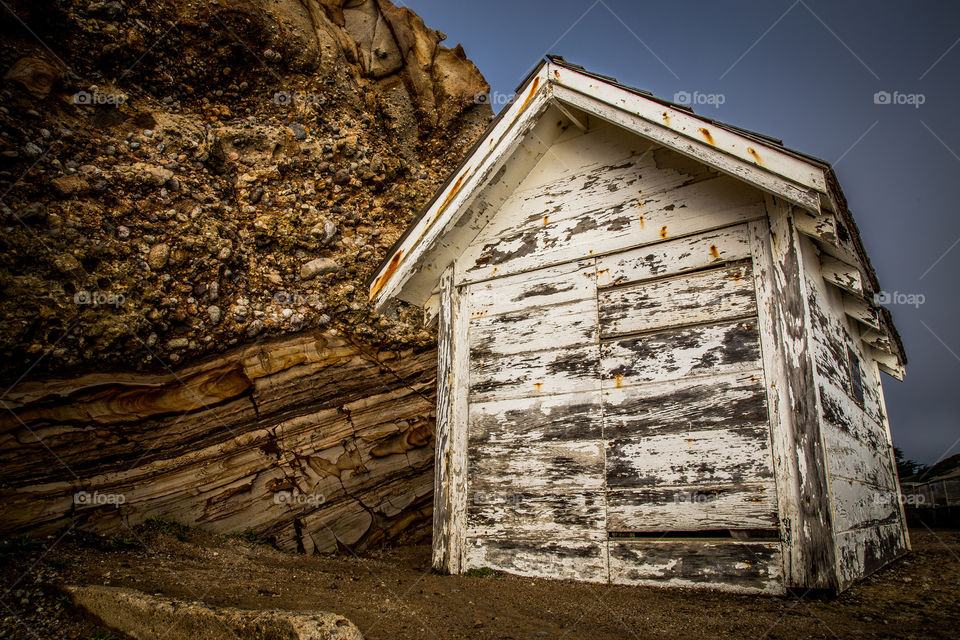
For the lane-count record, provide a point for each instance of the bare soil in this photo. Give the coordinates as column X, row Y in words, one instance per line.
column 393, row 594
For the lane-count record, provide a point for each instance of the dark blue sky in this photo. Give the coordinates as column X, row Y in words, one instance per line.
column 805, row 71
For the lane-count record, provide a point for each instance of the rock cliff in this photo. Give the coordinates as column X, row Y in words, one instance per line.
column 193, row 195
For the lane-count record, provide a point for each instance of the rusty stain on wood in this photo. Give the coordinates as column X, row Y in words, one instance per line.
column 530, row 94
column 391, row 269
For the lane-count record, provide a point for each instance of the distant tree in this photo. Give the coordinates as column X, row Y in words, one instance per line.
column 905, row 467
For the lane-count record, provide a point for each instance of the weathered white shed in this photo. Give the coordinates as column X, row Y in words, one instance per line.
column 659, row 351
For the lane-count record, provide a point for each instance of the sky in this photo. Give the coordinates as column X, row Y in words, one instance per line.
column 816, row 74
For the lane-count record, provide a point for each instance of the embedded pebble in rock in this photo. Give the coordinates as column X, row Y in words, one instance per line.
column 298, row 131
column 159, row 255
column 329, row 231
column 318, row 267
column 213, row 312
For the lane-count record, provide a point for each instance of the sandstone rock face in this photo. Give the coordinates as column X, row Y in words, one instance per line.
column 314, row 441
column 153, row 618
column 188, row 229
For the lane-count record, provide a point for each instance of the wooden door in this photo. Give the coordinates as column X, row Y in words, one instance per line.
column 688, row 471
column 535, row 502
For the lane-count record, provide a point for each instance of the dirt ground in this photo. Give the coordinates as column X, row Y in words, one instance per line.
column 392, row 594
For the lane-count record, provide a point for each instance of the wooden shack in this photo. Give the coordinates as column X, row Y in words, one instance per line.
column 659, row 351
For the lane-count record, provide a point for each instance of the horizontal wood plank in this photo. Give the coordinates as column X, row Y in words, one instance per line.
column 858, row 506
column 584, row 560
column 555, row 285
column 682, row 406
column 729, row 347
column 520, row 466
column 674, row 256
column 704, row 296
column 739, row 456
column 863, row 551
column 703, row 507
column 535, row 373
column 548, row 418
column 537, row 516
column 741, row 567
column 561, row 325
column 853, row 459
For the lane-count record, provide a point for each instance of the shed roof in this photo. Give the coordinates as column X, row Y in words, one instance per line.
column 414, row 264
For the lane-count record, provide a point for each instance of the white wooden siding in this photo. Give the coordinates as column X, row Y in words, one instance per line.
column 596, row 409
column 863, row 484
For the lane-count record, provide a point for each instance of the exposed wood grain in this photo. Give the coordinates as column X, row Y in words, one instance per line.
column 704, row 296
column 841, row 274
column 518, row 466
column 602, row 185
column 535, row 373
column 442, row 503
column 807, row 517
column 822, row 227
column 735, row 455
column 863, row 506
column 863, row 551
column 747, row 171
column 583, row 560
column 560, row 325
column 683, row 406
column 861, row 311
column 564, row 283
column 728, row 347
column 537, row 516
column 731, row 566
column 696, row 508
column 548, row 418
column 715, row 203
column 674, row 256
